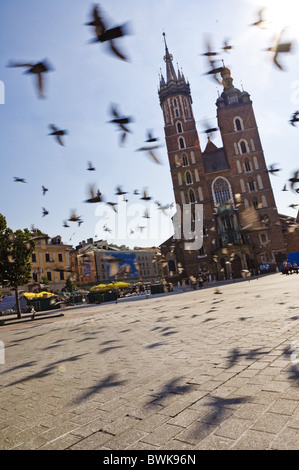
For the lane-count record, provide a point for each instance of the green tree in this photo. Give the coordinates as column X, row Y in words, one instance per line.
column 15, row 255
column 45, row 280
column 70, row 285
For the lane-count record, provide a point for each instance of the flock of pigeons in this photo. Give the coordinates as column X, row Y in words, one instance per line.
column 103, row 34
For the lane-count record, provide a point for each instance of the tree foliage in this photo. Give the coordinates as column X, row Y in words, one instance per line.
column 70, row 285
column 16, row 249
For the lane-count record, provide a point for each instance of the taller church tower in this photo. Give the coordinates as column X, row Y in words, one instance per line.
column 241, row 228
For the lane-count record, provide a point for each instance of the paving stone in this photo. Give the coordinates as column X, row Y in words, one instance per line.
column 287, row 440
column 270, row 422
column 214, row 442
column 284, row 406
column 161, row 435
column 93, row 442
column 254, row 440
column 233, row 427
column 148, row 374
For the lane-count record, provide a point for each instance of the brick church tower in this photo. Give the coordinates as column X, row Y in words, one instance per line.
column 240, row 224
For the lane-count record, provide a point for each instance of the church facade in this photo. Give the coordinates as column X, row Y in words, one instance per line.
column 240, row 226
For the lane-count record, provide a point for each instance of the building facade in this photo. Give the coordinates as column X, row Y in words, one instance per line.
column 99, row 262
column 50, row 261
column 240, row 226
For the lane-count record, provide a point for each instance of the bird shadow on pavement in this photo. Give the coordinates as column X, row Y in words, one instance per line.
column 48, row 370
column 108, row 382
column 173, row 387
column 220, row 409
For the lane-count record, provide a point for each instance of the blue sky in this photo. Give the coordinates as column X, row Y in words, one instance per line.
column 86, row 80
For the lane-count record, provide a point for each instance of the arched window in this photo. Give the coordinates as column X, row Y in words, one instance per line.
column 171, row 266
column 247, row 165
column 181, row 143
column 176, row 110
column 255, row 203
column 243, row 147
column 238, row 124
column 191, row 196
column 185, row 160
column 188, row 177
column 221, row 191
column 251, row 184
column 179, row 128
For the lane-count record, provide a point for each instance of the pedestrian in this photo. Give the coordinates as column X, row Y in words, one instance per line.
column 183, row 285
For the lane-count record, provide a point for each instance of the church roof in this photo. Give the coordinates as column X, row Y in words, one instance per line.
column 210, row 147
column 214, row 158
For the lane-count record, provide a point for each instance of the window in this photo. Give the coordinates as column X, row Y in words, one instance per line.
column 263, row 238
column 191, row 196
column 185, row 160
column 232, row 99
column 175, row 103
column 181, row 143
column 188, row 177
column 60, row 259
column 49, row 275
column 33, row 258
column 255, row 203
column 179, row 128
column 34, row 277
column 251, row 184
column 47, row 256
column 238, row 124
column 243, row 147
column 61, row 273
column 221, row 191
column 247, row 165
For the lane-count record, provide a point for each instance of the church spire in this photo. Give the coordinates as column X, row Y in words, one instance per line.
column 170, row 72
column 174, row 83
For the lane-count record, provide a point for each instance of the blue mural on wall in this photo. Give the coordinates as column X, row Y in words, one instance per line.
column 121, row 265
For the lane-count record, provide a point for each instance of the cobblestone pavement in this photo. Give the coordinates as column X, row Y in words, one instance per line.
column 195, row 370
